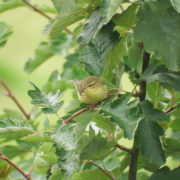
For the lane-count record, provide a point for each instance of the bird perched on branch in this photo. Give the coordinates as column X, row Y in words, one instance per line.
column 90, row 90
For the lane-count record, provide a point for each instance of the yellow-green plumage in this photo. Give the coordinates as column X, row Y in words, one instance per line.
column 91, row 90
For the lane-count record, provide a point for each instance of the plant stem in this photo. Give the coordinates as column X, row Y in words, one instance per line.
column 171, row 109
column 100, row 168
column 42, row 13
column 89, row 107
column 11, row 95
column 3, row 157
column 123, row 148
column 142, row 96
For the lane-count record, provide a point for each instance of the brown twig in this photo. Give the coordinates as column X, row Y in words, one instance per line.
column 11, row 95
column 123, row 148
column 171, row 109
column 101, row 169
column 42, row 13
column 3, row 157
column 88, row 108
column 30, row 171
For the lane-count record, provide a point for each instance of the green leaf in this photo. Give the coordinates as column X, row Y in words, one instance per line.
column 148, row 134
column 83, row 121
column 55, row 83
column 109, row 8
column 89, row 175
column 93, row 54
column 49, row 102
column 10, row 4
column 123, row 113
column 163, row 75
column 104, row 123
column 97, row 149
column 36, row 137
column 64, row 6
column 42, row 54
column 16, row 132
column 135, row 54
column 172, row 147
column 62, row 22
column 92, row 25
column 64, row 137
column 125, row 21
column 113, row 67
column 5, row 31
column 46, row 50
column 161, row 19
column 176, row 5
column 166, row 174
column 56, row 172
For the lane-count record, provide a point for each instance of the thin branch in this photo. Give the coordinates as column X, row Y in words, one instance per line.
column 123, row 148
column 30, row 171
column 3, row 157
column 36, row 9
column 89, row 108
column 11, row 95
column 101, row 169
column 42, row 13
column 171, row 109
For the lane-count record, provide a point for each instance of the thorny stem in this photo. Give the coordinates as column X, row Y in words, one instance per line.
column 142, row 95
column 42, row 13
column 11, row 95
column 100, row 168
column 3, row 157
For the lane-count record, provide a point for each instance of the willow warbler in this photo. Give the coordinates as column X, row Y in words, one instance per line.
column 90, row 90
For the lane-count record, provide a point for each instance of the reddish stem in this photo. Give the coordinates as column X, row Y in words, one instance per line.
column 11, row 95
column 89, row 107
column 3, row 157
column 123, row 148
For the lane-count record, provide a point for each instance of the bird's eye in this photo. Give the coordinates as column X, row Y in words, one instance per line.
column 90, row 85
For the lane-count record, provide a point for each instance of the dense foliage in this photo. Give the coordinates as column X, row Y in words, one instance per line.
column 128, row 135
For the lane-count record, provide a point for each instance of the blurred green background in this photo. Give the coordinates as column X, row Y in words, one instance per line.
column 27, row 27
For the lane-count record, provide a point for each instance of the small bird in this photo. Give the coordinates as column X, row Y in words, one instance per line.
column 90, row 90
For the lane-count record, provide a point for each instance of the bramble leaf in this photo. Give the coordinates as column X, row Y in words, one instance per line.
column 93, row 54
column 49, row 102
column 92, row 25
column 148, row 134
column 123, row 113
column 157, row 24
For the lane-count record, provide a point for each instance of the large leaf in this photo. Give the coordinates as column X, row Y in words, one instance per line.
column 166, row 174
column 93, row 23
column 49, row 102
column 97, row 148
column 123, row 113
column 157, row 24
column 163, row 75
column 109, row 8
column 64, row 137
column 148, row 134
column 125, row 21
column 5, row 31
column 94, row 53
